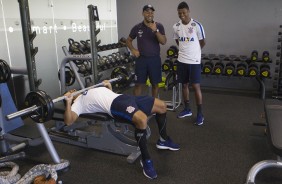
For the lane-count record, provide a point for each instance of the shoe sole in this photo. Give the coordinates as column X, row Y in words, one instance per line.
column 199, row 124
column 145, row 172
column 186, row 115
column 165, row 147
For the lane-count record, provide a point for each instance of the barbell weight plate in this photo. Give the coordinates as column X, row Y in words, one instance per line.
column 122, row 72
column 5, row 71
column 46, row 106
column 49, row 114
column 69, row 76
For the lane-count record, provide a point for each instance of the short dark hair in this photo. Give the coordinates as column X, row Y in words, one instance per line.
column 183, row 5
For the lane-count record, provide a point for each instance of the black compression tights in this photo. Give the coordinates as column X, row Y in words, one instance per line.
column 161, row 120
column 140, row 136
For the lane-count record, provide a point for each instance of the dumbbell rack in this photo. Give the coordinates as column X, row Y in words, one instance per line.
column 277, row 84
column 244, row 69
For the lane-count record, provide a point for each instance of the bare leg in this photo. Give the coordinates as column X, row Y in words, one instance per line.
column 198, row 93
column 138, row 89
column 155, row 90
column 159, row 106
column 185, row 92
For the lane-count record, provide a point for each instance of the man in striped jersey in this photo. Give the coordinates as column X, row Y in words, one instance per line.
column 190, row 37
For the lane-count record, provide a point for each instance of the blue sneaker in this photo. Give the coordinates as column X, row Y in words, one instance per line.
column 184, row 113
column 200, row 119
column 148, row 169
column 168, row 144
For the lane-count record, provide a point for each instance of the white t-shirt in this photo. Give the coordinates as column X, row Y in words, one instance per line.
column 96, row 100
column 188, row 37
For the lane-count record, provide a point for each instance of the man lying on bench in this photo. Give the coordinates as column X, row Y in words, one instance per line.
column 135, row 109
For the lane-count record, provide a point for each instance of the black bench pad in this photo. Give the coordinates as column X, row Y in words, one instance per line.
column 273, row 112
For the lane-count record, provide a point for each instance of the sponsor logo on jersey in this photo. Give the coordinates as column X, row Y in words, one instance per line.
column 193, row 24
column 186, row 39
column 130, row 109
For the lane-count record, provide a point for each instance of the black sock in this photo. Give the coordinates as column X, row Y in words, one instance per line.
column 187, row 104
column 199, row 108
column 161, row 120
column 140, row 136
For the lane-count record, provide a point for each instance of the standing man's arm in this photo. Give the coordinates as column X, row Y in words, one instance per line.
column 160, row 36
column 177, row 42
column 202, row 43
column 135, row 52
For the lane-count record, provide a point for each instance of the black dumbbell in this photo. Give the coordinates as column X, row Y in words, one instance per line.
column 252, row 69
column 218, row 68
column 264, row 70
column 172, row 51
column 265, row 56
column 229, row 69
column 167, row 65
column 241, row 69
column 254, row 56
column 208, row 67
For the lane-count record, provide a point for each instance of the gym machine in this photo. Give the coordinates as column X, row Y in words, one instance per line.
column 273, row 111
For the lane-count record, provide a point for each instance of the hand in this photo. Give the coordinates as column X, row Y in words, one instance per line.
column 69, row 96
column 107, row 84
column 153, row 26
column 135, row 52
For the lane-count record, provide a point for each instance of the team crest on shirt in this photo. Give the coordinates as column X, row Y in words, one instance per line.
column 193, row 24
column 140, row 33
column 130, row 109
column 190, row 30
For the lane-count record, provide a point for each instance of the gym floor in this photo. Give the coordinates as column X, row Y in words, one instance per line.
column 220, row 152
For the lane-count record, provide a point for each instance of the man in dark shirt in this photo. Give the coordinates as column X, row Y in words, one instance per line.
column 150, row 35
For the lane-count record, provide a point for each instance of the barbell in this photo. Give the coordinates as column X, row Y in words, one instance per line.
column 41, row 106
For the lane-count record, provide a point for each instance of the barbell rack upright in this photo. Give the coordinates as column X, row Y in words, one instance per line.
column 93, row 17
column 30, row 53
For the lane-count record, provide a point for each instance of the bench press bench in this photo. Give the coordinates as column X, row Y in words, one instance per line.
column 273, row 115
column 98, row 131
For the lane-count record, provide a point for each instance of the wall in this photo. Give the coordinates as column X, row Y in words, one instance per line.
column 231, row 27
column 54, row 22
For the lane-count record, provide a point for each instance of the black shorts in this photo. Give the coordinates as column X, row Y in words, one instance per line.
column 148, row 67
column 124, row 106
column 188, row 73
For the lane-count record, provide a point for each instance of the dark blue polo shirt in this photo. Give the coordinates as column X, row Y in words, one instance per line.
column 147, row 42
